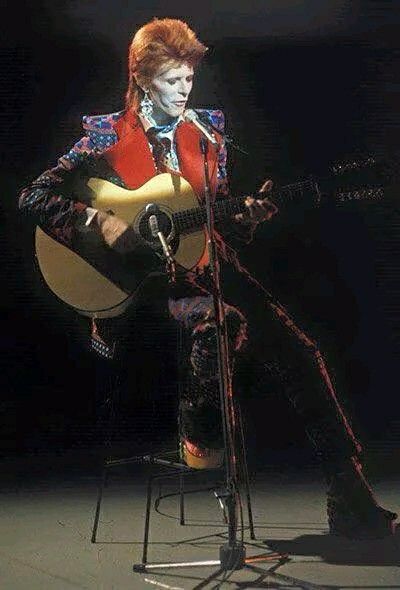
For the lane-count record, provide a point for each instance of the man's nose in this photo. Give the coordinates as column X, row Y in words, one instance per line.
column 184, row 88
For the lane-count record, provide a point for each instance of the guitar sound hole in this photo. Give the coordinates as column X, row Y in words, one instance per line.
column 164, row 225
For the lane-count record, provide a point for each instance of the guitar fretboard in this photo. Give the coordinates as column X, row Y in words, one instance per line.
column 197, row 217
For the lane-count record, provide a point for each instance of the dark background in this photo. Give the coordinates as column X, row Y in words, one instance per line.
column 302, row 84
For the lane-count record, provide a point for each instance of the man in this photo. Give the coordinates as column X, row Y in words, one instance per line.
column 129, row 148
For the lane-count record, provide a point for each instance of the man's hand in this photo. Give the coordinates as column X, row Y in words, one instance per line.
column 258, row 210
column 116, row 233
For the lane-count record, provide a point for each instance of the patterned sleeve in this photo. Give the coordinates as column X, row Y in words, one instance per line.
column 48, row 197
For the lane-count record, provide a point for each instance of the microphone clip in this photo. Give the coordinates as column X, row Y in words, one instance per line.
column 168, row 254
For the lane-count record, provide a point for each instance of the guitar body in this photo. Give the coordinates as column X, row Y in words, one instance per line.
column 98, row 282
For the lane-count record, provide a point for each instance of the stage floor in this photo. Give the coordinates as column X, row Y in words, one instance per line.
column 46, row 523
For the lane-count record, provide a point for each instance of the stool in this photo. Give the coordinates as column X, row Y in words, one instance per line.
column 179, row 470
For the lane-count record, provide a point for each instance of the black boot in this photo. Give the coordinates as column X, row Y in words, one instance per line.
column 300, row 372
column 351, row 507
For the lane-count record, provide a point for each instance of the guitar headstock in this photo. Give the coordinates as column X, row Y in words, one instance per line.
column 357, row 179
column 375, row 193
column 353, row 165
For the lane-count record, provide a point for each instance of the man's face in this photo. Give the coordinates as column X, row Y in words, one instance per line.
column 169, row 91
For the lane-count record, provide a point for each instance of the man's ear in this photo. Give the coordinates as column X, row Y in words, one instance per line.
column 140, row 82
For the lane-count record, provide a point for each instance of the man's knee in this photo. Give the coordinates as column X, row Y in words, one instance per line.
column 204, row 353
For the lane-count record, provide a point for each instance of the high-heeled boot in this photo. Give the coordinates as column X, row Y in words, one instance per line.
column 351, row 506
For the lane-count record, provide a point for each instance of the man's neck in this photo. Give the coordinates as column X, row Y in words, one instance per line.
column 150, row 121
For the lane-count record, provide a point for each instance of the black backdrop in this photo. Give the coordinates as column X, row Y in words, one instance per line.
column 302, row 85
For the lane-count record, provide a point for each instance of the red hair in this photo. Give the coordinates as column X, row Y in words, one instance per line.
column 160, row 42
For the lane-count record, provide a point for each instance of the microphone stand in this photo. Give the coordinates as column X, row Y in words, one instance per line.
column 232, row 554
column 227, row 138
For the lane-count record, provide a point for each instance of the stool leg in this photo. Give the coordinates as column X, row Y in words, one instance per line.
column 159, row 494
column 182, row 499
column 98, row 505
column 147, row 519
column 249, row 511
column 245, row 474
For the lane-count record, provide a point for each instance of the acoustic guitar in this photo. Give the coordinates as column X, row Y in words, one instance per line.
column 97, row 281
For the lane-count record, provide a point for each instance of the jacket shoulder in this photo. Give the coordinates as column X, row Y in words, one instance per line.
column 101, row 123
column 99, row 130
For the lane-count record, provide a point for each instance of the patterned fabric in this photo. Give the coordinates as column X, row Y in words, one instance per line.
column 199, row 405
column 197, row 315
column 165, row 157
column 217, row 119
column 161, row 139
column 45, row 197
column 48, row 197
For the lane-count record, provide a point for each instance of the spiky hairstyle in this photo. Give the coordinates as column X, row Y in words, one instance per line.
column 161, row 42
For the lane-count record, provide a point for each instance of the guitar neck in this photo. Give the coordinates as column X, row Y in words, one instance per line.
column 192, row 218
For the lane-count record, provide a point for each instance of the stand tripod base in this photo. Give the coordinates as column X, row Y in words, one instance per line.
column 231, row 558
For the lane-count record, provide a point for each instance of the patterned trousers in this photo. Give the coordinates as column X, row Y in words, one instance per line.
column 291, row 362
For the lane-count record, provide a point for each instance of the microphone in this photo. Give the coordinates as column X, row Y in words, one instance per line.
column 156, row 233
column 192, row 117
